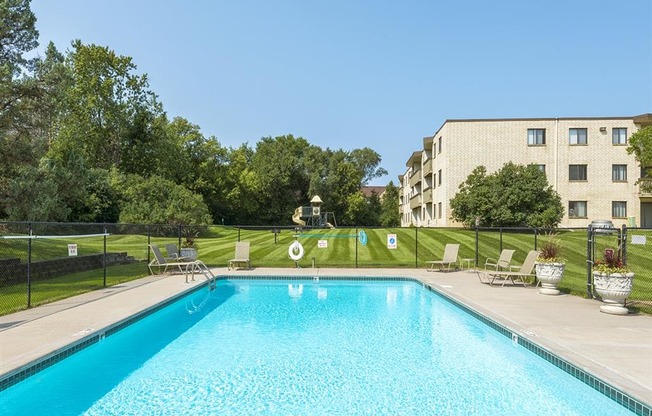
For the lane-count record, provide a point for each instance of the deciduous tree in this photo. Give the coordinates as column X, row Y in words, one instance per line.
column 514, row 196
column 640, row 143
column 155, row 200
column 389, row 209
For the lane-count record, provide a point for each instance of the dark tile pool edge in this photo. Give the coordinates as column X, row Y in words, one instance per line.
column 16, row 376
column 625, row 400
column 615, row 394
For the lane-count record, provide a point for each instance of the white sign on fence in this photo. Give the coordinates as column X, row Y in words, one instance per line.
column 322, row 243
column 638, row 239
column 72, row 249
column 391, row 241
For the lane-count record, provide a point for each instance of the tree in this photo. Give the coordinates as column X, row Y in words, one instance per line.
column 102, row 104
column 155, row 200
column 281, row 176
column 367, row 160
column 640, row 143
column 33, row 196
column 18, row 35
column 514, row 196
column 342, row 183
column 389, row 207
column 241, row 203
column 356, row 207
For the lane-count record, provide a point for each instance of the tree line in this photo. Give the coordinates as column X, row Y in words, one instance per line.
column 83, row 138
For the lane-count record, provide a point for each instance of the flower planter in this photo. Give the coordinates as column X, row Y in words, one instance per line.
column 613, row 288
column 549, row 274
column 189, row 253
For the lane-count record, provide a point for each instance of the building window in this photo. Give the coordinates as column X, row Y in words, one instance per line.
column 536, row 137
column 619, row 209
column 542, row 168
column 577, row 209
column 577, row 136
column 434, row 180
column 577, row 172
column 619, row 136
column 439, row 177
column 644, row 172
column 439, row 209
column 439, row 145
column 619, row 173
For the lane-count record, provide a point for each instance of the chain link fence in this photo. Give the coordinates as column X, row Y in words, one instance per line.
column 43, row 262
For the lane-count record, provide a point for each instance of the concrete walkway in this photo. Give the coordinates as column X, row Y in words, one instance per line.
column 616, row 349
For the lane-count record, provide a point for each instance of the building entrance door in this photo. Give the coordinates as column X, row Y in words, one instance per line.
column 646, row 214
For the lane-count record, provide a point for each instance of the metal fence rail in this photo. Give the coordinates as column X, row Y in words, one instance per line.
column 29, row 248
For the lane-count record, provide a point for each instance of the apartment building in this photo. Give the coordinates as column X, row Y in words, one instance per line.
column 585, row 160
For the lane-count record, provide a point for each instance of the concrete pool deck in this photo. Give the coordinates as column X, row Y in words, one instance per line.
column 616, row 349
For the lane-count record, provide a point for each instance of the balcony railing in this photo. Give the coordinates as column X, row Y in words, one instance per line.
column 427, row 167
column 427, row 196
column 645, row 187
column 415, row 178
column 415, row 201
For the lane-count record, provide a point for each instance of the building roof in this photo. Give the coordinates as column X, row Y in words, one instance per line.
column 640, row 119
column 368, row 190
column 416, row 157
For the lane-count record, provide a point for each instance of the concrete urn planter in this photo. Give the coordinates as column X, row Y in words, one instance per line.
column 613, row 288
column 549, row 274
column 189, row 253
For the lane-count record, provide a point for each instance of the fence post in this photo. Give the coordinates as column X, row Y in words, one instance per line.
column 356, row 247
column 238, row 233
column 623, row 244
column 29, row 266
column 179, row 232
column 477, row 225
column 416, row 247
column 589, row 260
column 104, row 260
column 149, row 241
column 536, row 234
column 501, row 239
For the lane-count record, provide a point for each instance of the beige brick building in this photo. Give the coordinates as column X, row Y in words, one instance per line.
column 585, row 160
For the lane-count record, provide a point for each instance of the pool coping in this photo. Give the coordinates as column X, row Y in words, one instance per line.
column 434, row 282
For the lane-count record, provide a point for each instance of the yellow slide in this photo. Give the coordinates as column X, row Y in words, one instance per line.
column 297, row 217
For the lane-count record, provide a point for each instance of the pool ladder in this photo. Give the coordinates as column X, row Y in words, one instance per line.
column 199, row 266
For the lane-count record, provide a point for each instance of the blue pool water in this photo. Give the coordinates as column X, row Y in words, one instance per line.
column 270, row 347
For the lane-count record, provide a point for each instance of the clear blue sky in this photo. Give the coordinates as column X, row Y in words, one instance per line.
column 378, row 74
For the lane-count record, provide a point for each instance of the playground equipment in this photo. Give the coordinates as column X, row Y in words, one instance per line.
column 312, row 216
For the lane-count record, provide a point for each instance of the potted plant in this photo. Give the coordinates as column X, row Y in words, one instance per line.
column 613, row 281
column 550, row 266
column 189, row 248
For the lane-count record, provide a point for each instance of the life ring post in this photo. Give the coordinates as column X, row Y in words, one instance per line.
column 296, row 252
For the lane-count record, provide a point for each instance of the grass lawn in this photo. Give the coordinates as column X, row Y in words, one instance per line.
column 414, row 248
column 14, row 297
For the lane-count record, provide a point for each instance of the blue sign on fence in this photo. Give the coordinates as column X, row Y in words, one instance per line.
column 362, row 237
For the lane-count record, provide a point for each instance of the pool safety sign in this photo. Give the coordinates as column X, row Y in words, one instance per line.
column 322, row 243
column 362, row 237
column 72, row 249
column 391, row 241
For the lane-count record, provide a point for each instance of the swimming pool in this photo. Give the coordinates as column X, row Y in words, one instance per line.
column 304, row 347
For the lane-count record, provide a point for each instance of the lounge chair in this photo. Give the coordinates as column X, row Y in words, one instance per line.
column 502, row 262
column 241, row 255
column 450, row 258
column 173, row 252
column 163, row 264
column 526, row 271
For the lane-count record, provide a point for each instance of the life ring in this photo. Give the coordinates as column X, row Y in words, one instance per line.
column 295, row 251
